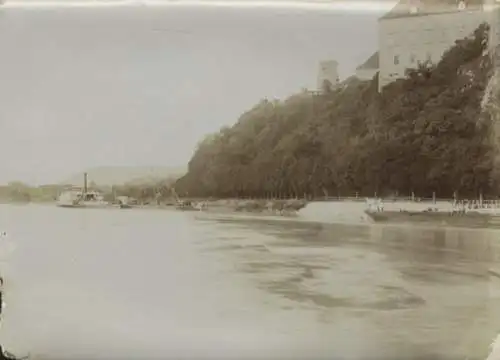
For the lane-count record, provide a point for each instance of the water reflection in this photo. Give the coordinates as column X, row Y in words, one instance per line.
column 406, row 285
column 279, row 287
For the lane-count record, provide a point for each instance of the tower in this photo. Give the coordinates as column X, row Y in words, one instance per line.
column 327, row 75
column 493, row 14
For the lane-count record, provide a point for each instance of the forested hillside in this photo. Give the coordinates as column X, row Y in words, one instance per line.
column 423, row 134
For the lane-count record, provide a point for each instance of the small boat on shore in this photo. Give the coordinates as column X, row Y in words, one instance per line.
column 468, row 219
column 124, row 202
column 470, row 214
column 188, row 206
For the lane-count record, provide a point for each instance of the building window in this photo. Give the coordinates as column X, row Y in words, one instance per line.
column 396, row 59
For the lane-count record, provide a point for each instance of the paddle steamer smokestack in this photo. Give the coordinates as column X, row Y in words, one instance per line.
column 85, row 182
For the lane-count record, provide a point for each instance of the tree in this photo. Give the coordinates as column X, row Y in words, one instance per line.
column 425, row 133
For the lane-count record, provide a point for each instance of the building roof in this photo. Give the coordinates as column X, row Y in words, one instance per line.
column 428, row 7
column 370, row 63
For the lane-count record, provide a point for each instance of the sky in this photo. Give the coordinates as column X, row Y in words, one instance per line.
column 141, row 85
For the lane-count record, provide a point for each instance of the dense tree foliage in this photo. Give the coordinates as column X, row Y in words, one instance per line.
column 425, row 133
column 20, row 192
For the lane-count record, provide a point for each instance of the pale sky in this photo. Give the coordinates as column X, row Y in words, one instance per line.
column 141, row 85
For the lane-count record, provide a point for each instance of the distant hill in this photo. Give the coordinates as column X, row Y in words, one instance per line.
column 118, row 175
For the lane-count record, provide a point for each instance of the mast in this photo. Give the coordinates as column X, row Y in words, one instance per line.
column 85, row 175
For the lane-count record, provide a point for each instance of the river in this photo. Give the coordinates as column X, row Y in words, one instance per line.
column 158, row 283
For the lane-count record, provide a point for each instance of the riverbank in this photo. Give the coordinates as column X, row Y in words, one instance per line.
column 347, row 212
column 268, row 206
column 283, row 207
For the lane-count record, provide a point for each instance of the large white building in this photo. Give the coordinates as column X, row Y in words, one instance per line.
column 415, row 32
column 328, row 71
column 493, row 10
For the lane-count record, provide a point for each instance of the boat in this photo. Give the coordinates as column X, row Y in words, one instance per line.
column 82, row 198
column 470, row 219
column 186, row 206
column 124, row 202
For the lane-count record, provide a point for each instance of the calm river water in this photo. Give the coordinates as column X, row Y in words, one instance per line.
column 145, row 284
